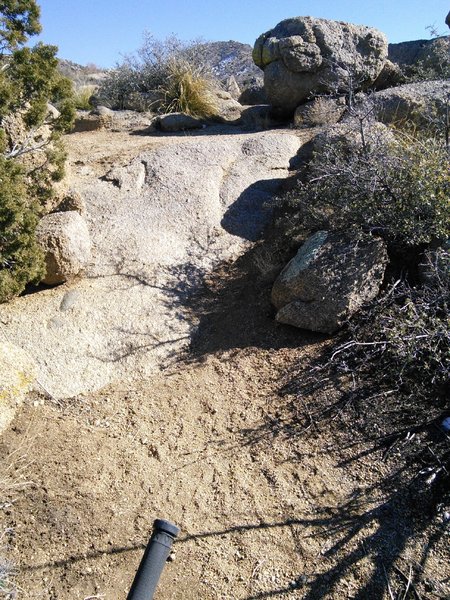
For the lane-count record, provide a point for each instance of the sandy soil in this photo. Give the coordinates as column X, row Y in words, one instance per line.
column 210, row 444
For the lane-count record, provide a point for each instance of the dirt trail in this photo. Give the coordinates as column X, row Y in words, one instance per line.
column 209, row 443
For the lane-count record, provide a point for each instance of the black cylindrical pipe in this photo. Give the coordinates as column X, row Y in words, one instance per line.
column 153, row 561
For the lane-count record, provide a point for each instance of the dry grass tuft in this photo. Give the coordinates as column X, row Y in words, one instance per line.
column 189, row 91
column 82, row 95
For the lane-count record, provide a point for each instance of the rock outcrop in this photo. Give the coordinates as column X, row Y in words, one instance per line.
column 427, row 53
column 329, row 279
column 158, row 222
column 422, row 104
column 17, row 375
column 305, row 55
column 65, row 239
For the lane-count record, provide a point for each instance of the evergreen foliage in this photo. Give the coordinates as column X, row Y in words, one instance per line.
column 31, row 153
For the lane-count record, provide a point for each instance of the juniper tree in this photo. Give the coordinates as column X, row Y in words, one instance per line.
column 31, row 155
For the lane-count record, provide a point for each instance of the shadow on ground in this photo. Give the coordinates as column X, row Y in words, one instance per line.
column 383, row 533
column 400, row 515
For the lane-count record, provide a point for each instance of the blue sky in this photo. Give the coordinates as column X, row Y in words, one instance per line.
column 101, row 31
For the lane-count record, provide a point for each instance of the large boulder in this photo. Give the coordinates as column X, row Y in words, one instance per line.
column 253, row 94
column 305, row 55
column 17, row 375
column 65, row 239
column 422, row 104
column 329, row 279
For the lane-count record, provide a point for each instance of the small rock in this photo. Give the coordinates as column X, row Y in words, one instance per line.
column 65, row 239
column 173, row 122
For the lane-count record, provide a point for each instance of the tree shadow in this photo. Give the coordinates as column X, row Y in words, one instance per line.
column 405, row 501
column 382, row 533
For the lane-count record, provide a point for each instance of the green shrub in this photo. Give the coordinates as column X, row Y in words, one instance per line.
column 21, row 259
column 396, row 189
column 31, row 153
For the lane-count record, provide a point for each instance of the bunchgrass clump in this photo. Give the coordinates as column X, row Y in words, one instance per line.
column 188, row 91
column 162, row 76
column 82, row 96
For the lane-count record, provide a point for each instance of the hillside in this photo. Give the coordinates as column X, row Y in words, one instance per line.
column 241, row 326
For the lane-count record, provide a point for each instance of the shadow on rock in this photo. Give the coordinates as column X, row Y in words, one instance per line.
column 232, row 310
column 251, row 212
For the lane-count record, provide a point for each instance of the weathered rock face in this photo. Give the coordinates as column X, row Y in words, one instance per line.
column 419, row 103
column 64, row 236
column 17, row 375
column 328, row 280
column 305, row 55
column 158, row 222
